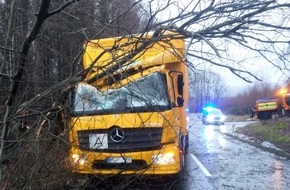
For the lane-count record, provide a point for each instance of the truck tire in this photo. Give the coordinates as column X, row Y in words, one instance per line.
column 283, row 112
column 264, row 115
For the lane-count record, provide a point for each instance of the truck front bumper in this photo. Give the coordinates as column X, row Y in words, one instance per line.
column 164, row 162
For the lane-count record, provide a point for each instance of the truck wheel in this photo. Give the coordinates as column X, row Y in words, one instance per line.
column 182, row 161
column 264, row 115
column 283, row 113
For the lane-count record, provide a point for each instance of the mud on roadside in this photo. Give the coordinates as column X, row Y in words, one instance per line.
column 276, row 132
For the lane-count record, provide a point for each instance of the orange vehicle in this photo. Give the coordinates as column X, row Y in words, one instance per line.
column 285, row 103
column 129, row 113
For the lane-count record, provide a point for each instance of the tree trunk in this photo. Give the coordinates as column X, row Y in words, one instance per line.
column 41, row 17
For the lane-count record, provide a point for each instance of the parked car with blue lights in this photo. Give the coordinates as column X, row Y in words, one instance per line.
column 212, row 115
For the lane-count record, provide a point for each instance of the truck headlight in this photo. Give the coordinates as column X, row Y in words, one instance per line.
column 78, row 159
column 164, row 159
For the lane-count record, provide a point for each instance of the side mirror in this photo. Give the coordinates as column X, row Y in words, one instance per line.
column 180, row 101
column 180, row 84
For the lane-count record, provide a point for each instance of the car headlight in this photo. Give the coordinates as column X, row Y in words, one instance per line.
column 210, row 118
column 223, row 118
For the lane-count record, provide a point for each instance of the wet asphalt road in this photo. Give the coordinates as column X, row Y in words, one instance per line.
column 217, row 161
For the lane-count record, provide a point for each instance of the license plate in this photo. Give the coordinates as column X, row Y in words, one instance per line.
column 118, row 160
column 98, row 141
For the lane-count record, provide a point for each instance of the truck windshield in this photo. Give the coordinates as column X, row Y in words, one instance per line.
column 145, row 94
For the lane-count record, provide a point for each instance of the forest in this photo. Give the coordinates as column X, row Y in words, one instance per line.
column 41, row 47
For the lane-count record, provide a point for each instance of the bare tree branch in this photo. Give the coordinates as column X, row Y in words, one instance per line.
column 61, row 8
column 235, row 71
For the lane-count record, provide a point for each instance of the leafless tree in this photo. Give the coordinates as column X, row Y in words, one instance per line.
column 37, row 68
column 243, row 102
column 206, row 88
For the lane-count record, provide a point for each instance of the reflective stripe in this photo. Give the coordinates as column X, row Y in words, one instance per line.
column 267, row 106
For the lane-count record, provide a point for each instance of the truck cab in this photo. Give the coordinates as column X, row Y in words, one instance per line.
column 129, row 113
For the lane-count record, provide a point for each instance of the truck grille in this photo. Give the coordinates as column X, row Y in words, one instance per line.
column 133, row 139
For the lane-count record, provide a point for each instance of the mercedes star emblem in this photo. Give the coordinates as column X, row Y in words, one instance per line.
column 117, row 134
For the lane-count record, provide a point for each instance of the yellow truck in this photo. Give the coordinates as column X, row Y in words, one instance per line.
column 129, row 113
column 268, row 108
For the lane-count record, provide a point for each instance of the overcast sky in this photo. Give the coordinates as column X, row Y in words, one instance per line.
column 268, row 74
column 248, row 61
